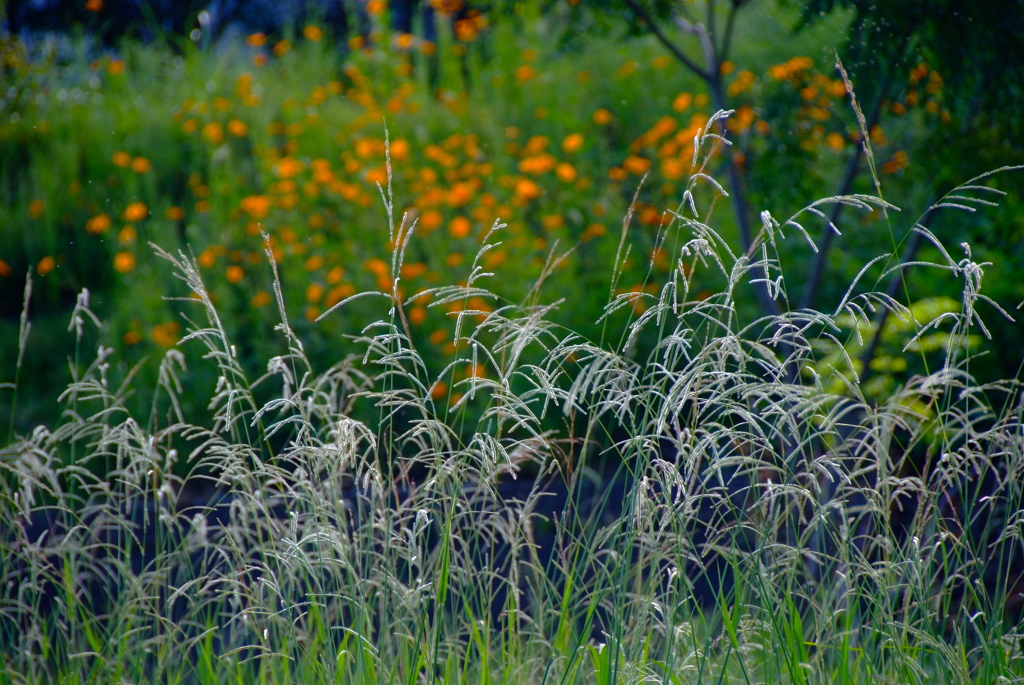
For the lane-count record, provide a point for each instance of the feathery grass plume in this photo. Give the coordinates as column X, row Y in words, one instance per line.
column 664, row 504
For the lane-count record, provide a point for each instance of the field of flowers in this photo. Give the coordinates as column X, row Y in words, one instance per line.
column 537, row 151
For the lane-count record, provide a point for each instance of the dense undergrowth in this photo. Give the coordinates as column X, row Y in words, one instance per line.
column 104, row 151
column 764, row 524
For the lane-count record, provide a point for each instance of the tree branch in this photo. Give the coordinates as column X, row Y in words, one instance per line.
column 827, row 234
column 664, row 40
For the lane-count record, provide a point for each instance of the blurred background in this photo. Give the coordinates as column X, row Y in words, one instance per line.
column 199, row 126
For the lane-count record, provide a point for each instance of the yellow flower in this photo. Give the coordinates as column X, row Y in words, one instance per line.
column 136, row 211
column 124, row 262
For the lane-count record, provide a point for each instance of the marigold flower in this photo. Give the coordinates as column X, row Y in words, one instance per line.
column 121, row 158
column 417, row 315
column 566, row 172
column 131, row 338
column 312, row 33
column 115, row 67
column 256, row 40
column 35, row 208
column 281, row 48
column 141, row 165
column 636, row 165
column 661, row 61
column 126, row 234
column 234, row 273
column 5, row 269
column 94, row 5
column 527, row 190
column 124, row 262
column 460, row 227
column 602, row 117
column 214, row 133
column 166, row 334
column 238, row 128
column 136, row 211
column 524, row 73
column 45, row 265
column 835, row 141
column 572, row 142
column 314, row 293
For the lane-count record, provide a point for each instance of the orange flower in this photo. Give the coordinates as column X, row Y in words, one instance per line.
column 126, row 234
column 141, row 165
column 256, row 40
column 5, row 269
column 573, row 142
column 256, row 206
column 312, row 33
column 527, row 190
column 115, row 67
column 166, row 334
column 417, row 315
column 524, row 73
column 314, row 293
column 124, row 262
column 214, row 133
column 565, row 172
column 234, row 273
column 281, row 48
column 431, row 220
column 45, row 265
column 136, row 211
column 835, row 141
column 237, row 128
column 636, row 165
column 439, row 389
column 94, row 5
column 460, row 227
column 376, row 7
column 131, row 338
column 602, row 117
column 288, row 167
column 121, row 158
column 35, row 208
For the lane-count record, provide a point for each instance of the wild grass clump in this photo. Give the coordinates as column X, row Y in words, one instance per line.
column 687, row 499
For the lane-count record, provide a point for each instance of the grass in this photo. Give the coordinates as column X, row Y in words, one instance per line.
column 766, row 527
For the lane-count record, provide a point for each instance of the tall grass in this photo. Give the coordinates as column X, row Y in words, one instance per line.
column 687, row 511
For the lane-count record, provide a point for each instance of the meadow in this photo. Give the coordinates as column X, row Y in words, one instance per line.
column 372, row 381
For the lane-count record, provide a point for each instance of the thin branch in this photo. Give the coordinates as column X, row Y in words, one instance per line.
column 669, row 45
column 827, row 233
